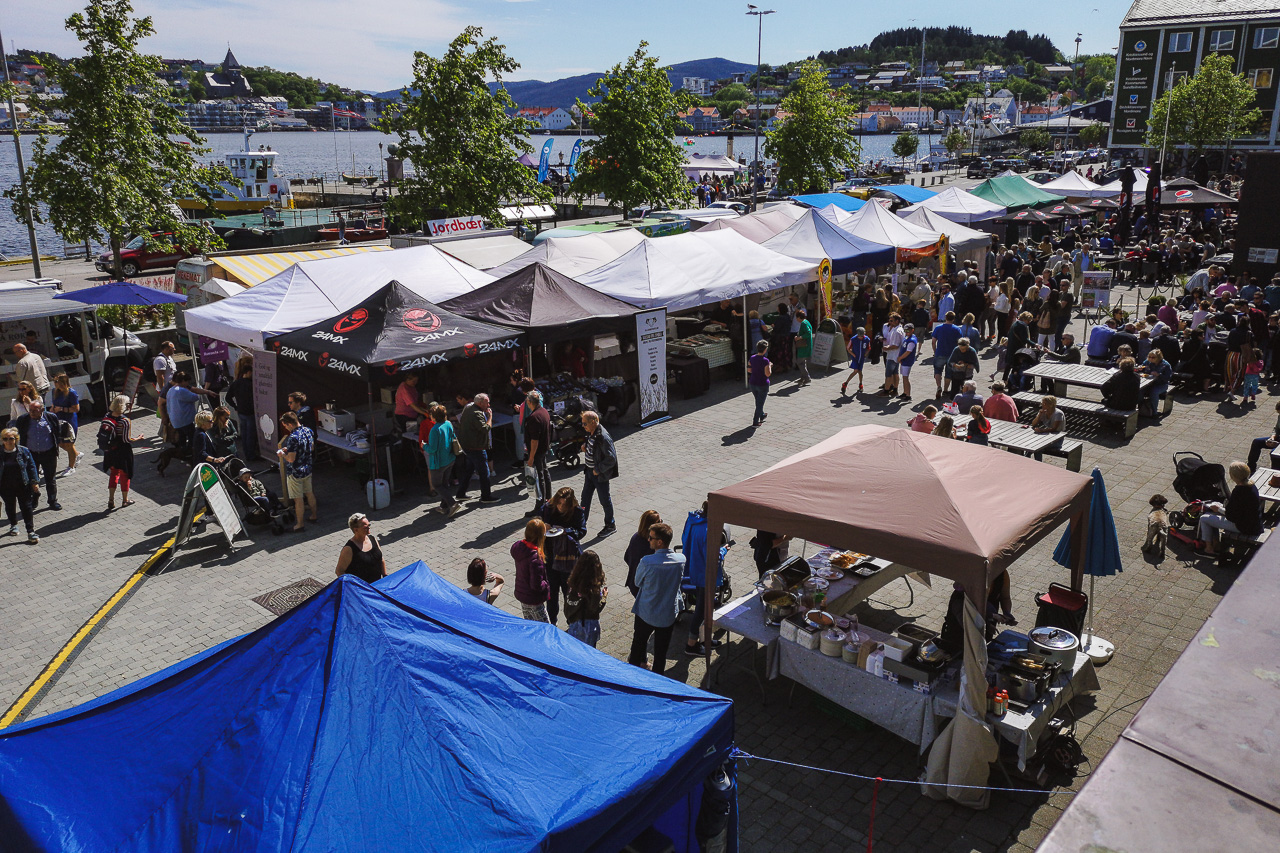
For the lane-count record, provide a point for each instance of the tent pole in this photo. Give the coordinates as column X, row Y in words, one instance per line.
column 746, row 344
column 1089, row 631
column 715, row 529
column 373, row 436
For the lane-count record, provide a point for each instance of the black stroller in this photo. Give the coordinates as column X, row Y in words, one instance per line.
column 568, row 435
column 1197, row 482
column 261, row 510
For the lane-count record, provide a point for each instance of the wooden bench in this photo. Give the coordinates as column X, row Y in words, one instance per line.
column 1128, row 420
column 1071, row 449
column 1240, row 547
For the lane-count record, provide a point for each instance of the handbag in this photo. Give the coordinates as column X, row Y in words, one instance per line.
column 456, row 447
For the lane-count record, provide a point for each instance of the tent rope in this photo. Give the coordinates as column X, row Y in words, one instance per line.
column 740, row 755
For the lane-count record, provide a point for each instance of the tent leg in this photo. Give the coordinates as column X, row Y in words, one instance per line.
column 746, row 344
column 373, row 437
column 715, row 528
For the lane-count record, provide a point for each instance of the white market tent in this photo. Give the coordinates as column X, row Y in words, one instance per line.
column 484, row 252
column 312, row 291
column 1139, row 185
column 761, row 225
column 959, row 206
column 1075, row 185
column 874, row 223
column 573, row 255
column 711, row 164
column 962, row 238
column 688, row 270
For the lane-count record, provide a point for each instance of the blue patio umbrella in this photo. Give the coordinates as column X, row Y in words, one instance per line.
column 1102, row 557
column 122, row 293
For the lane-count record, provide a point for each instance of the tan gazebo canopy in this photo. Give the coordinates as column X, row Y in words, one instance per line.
column 941, row 506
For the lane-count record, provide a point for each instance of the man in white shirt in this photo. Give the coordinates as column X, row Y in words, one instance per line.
column 164, row 367
column 30, row 368
column 893, row 337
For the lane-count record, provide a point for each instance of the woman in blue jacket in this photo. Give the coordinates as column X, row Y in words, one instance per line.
column 440, row 458
column 19, row 482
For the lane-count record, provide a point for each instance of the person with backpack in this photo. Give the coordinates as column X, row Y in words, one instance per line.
column 114, row 439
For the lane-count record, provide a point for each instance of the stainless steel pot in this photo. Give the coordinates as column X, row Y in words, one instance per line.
column 1057, row 644
column 778, row 605
column 1021, row 688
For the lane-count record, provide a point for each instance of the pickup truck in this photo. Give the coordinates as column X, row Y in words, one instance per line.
column 135, row 257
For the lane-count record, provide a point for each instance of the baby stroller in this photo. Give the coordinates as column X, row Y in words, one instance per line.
column 257, row 511
column 569, row 437
column 724, row 592
column 1197, row 482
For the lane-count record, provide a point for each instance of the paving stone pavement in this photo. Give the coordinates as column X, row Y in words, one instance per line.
column 204, row 596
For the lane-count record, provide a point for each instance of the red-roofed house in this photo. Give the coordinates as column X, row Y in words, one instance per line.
column 702, row 119
column 548, row 118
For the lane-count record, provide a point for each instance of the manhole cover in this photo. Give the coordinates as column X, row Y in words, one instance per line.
column 286, row 598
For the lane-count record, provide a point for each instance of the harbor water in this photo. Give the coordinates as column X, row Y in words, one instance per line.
column 304, row 154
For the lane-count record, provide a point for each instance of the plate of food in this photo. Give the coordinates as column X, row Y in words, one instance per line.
column 846, row 559
column 553, row 532
column 828, row 574
column 867, row 570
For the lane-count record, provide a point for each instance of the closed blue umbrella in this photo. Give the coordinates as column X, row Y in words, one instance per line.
column 122, row 293
column 1102, row 557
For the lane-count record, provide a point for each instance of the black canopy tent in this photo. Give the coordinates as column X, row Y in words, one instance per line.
column 1184, row 192
column 393, row 331
column 548, row 306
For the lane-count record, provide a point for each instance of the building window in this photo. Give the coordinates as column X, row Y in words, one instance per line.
column 1179, row 42
column 1266, row 37
column 1222, row 40
column 1260, row 78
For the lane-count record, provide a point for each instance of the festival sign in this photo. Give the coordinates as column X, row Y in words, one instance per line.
column 455, row 225
column 1096, row 291
column 651, row 352
column 1135, row 82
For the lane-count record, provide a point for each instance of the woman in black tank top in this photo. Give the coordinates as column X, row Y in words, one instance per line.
column 361, row 555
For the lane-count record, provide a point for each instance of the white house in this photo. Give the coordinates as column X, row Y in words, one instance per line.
column 697, row 85
column 548, row 118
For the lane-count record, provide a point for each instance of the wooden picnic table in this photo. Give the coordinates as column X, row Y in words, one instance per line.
column 1013, row 436
column 1084, row 375
column 1262, row 479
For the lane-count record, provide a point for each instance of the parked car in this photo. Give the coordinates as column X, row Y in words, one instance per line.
column 1041, row 177
column 735, row 206
column 135, row 257
column 978, row 169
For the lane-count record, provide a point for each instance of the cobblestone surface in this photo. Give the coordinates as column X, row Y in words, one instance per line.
column 204, row 596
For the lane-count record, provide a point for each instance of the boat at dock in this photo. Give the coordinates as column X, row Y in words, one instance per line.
column 260, row 185
column 361, row 180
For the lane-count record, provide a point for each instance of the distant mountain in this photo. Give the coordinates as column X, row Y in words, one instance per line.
column 565, row 91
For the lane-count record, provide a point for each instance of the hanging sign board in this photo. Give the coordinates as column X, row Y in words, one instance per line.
column 1096, row 290
column 132, row 382
column 651, row 353
column 824, row 288
column 456, row 225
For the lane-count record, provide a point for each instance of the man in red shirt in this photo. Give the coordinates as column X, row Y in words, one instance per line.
column 1000, row 406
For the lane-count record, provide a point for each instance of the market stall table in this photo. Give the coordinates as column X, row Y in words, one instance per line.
column 338, row 442
column 745, row 617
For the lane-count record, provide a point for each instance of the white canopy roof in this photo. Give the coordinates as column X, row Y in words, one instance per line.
column 311, row 291
column 705, row 164
column 1075, row 185
column 761, row 225
column 687, row 270
column 876, row 224
column 962, row 238
column 959, row 206
column 1139, row 185
column 484, row 252
column 573, row 255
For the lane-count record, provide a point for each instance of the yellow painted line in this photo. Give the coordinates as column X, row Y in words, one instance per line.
column 54, row 667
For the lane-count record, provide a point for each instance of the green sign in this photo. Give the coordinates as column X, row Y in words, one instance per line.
column 1135, row 75
column 208, row 476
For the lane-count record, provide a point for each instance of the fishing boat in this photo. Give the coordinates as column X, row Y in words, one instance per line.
column 360, row 225
column 260, row 185
column 360, row 180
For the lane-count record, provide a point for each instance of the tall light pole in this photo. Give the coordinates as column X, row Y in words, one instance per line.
column 22, row 169
column 1066, row 141
column 759, row 14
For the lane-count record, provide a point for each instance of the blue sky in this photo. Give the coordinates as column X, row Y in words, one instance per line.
column 371, row 46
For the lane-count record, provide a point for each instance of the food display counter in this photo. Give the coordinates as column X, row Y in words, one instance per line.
column 716, row 350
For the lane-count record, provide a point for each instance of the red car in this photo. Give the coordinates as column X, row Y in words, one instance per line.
column 135, row 257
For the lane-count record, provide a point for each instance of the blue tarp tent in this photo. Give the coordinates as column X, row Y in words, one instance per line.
column 907, row 192
column 406, row 716
column 820, row 200
column 812, row 238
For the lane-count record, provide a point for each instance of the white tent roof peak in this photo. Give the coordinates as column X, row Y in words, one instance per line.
column 875, row 223
column 1074, row 185
column 961, row 237
column 574, row 255
column 959, row 206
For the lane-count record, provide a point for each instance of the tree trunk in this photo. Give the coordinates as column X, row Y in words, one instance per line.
column 115, row 257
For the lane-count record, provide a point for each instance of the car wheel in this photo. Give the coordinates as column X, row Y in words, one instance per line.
column 129, row 269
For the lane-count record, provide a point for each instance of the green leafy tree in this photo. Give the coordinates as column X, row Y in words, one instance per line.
column 1207, row 110
column 299, row 91
column 195, row 86
column 1093, row 134
column 954, row 140
column 120, row 163
column 635, row 158
column 459, row 136
column 906, row 146
column 813, row 143
column 1036, row 139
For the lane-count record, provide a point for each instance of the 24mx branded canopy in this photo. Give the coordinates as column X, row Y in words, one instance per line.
column 402, row 716
column 391, row 331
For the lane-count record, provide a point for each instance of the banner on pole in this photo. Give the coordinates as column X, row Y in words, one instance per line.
column 264, row 402
column 544, row 162
column 1096, row 290
column 651, row 353
column 573, row 159
column 824, row 288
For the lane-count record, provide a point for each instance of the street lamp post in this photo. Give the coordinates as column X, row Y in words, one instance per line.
column 22, row 169
column 759, row 15
column 1066, row 140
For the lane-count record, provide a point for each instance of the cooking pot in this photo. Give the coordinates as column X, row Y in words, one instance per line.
column 1057, row 644
column 778, row 605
